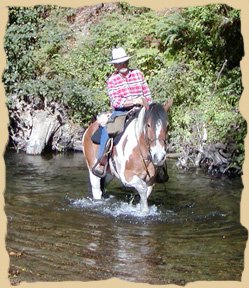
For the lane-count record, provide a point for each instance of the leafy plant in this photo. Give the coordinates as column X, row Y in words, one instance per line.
column 191, row 55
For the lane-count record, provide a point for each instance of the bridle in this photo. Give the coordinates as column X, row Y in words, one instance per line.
column 149, row 142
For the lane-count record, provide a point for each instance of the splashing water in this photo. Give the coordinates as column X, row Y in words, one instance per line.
column 120, row 210
column 116, row 209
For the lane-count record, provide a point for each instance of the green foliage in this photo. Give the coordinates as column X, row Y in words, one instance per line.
column 20, row 42
column 203, row 33
column 53, row 56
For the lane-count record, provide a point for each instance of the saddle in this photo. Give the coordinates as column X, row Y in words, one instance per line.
column 115, row 126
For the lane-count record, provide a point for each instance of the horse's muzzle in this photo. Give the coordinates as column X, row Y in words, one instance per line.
column 158, row 158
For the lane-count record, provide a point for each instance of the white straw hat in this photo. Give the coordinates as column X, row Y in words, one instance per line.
column 119, row 55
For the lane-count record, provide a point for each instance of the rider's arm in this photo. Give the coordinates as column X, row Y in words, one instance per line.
column 145, row 88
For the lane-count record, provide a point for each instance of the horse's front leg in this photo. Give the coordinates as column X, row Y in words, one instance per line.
column 96, row 186
column 143, row 191
column 149, row 190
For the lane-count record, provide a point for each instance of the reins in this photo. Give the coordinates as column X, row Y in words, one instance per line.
column 141, row 154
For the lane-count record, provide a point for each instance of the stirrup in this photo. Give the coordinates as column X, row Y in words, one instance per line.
column 97, row 172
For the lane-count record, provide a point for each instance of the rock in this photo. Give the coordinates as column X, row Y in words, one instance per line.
column 217, row 158
column 43, row 129
column 68, row 137
column 77, row 145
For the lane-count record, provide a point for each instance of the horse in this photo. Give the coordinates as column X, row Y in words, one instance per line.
column 138, row 155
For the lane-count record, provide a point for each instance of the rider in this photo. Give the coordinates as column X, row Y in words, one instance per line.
column 126, row 88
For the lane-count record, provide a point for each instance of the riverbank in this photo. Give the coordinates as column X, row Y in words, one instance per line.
column 45, row 127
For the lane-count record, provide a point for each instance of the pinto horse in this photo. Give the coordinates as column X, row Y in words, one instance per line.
column 137, row 157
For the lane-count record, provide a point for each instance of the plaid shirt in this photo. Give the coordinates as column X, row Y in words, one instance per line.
column 121, row 88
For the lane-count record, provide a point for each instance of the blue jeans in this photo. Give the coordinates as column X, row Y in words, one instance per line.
column 104, row 135
column 103, row 140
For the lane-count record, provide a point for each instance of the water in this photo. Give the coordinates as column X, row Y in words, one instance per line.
column 56, row 232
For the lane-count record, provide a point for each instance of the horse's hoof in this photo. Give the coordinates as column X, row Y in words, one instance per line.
column 105, row 195
column 144, row 210
column 162, row 175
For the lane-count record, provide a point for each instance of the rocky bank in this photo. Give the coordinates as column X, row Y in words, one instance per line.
column 36, row 129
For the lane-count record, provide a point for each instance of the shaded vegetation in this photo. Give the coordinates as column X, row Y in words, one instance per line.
column 191, row 55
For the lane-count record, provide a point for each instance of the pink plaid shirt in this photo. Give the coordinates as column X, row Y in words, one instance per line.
column 121, row 87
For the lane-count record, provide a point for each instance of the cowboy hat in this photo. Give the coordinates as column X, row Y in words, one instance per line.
column 119, row 55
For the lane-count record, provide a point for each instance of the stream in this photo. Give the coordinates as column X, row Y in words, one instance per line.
column 56, row 232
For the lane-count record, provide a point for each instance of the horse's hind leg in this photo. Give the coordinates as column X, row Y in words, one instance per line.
column 96, row 186
column 103, row 183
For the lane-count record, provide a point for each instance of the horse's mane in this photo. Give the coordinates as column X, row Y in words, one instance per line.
column 155, row 112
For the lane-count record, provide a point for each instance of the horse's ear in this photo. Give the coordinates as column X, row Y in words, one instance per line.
column 168, row 104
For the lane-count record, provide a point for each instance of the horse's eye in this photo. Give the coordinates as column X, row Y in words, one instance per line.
column 148, row 125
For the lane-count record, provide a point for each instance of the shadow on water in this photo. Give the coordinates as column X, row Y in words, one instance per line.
column 56, row 232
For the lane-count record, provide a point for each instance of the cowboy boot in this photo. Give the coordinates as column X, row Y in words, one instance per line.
column 99, row 169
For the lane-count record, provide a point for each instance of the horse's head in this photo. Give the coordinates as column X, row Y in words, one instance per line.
column 156, row 131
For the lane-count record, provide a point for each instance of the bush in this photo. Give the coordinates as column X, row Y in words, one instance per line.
column 188, row 55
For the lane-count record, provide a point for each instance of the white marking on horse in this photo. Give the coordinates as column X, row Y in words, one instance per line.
column 96, row 189
column 157, row 148
column 135, row 128
column 124, row 153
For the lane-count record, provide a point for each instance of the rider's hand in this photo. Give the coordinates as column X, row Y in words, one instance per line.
column 141, row 101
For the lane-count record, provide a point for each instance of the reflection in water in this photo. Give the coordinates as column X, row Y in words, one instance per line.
column 56, row 232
